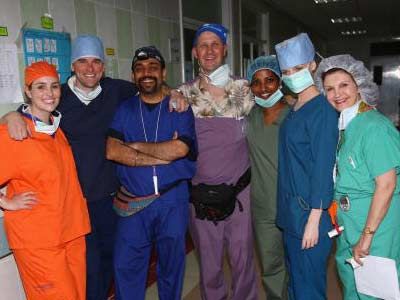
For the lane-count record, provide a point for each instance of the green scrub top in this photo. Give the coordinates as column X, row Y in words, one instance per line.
column 371, row 147
column 263, row 146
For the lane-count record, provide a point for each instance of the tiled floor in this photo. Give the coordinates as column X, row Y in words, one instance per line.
column 191, row 289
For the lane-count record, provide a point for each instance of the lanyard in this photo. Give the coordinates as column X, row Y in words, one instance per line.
column 155, row 178
column 363, row 107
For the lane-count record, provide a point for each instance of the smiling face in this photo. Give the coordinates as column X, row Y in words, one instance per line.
column 44, row 94
column 88, row 71
column 341, row 89
column 148, row 75
column 209, row 51
column 264, row 83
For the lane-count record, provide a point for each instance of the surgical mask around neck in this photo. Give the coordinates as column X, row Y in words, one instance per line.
column 271, row 100
column 85, row 97
column 299, row 81
column 41, row 126
column 347, row 115
column 220, row 76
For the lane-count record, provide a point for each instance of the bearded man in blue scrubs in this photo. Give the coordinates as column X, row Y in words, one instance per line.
column 156, row 151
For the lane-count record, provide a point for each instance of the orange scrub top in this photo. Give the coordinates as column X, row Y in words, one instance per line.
column 42, row 164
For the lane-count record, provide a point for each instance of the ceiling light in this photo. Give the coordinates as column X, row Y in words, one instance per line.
column 346, row 20
column 327, row 1
column 354, row 32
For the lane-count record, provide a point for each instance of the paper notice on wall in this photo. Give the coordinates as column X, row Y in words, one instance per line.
column 10, row 87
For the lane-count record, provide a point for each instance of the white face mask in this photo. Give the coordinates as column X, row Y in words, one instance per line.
column 220, row 76
column 299, row 81
column 42, row 127
column 275, row 97
column 347, row 115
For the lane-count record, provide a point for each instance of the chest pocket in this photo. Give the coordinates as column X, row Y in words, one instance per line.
column 351, row 164
column 43, row 163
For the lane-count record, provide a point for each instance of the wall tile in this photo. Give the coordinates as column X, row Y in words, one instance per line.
column 63, row 13
column 112, row 67
column 106, row 26
column 124, row 33
column 154, row 28
column 125, row 4
column 154, row 7
column 85, row 17
column 105, row 2
column 139, row 6
column 31, row 11
column 140, row 30
column 169, row 9
column 173, row 74
column 11, row 19
column 165, row 35
column 124, row 67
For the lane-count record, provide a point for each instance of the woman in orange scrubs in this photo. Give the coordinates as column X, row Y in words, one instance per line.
column 45, row 213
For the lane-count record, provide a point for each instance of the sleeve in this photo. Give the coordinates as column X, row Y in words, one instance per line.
column 116, row 128
column 324, row 137
column 8, row 163
column 19, row 109
column 127, row 90
column 187, row 133
column 381, row 150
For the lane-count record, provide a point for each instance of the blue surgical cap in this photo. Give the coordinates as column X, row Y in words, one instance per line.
column 261, row 63
column 87, row 46
column 295, row 51
column 218, row 29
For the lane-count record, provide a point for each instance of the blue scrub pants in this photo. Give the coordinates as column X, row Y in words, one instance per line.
column 307, row 268
column 99, row 248
column 164, row 222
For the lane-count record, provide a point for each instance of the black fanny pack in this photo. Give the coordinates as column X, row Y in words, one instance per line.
column 217, row 202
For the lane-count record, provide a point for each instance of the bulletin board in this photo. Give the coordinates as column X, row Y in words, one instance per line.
column 53, row 47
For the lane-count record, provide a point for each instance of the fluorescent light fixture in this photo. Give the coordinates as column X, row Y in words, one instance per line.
column 327, row 1
column 346, row 20
column 354, row 32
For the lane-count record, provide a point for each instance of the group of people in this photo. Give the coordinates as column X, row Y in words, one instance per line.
column 152, row 162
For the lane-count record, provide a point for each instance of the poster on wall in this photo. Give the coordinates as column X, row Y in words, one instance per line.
column 10, row 87
column 53, row 47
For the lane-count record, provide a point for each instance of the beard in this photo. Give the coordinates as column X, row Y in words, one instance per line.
column 147, row 89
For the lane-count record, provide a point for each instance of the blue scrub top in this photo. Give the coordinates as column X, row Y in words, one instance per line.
column 128, row 124
column 307, row 146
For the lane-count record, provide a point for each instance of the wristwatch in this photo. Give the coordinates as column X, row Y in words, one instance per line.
column 367, row 230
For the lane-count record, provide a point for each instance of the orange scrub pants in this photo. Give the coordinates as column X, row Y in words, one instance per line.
column 54, row 273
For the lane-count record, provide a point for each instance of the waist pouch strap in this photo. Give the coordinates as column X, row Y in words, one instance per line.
column 217, row 202
column 126, row 204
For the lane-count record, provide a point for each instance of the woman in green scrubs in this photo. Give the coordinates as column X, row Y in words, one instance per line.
column 263, row 125
column 367, row 185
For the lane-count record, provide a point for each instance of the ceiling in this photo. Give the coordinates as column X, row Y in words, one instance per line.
column 380, row 18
